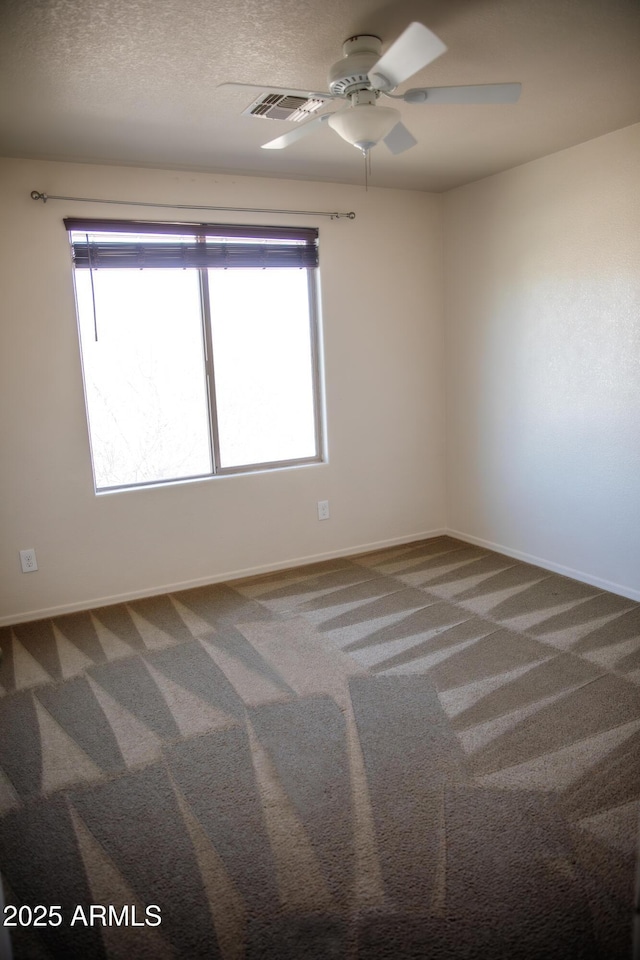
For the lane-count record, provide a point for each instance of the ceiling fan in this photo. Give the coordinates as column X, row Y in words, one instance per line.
column 364, row 74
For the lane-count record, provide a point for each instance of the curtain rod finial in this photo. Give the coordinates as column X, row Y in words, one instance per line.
column 35, row 195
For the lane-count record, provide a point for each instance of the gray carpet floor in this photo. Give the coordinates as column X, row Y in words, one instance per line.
column 428, row 752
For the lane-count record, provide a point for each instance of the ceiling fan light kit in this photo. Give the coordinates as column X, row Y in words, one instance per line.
column 364, row 124
column 364, row 74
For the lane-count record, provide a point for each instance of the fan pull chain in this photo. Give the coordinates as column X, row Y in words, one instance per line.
column 366, row 153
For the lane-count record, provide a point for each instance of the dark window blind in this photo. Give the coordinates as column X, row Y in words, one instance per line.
column 99, row 244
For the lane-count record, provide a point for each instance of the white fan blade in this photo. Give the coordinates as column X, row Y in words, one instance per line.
column 477, row 93
column 412, row 51
column 297, row 133
column 399, row 139
column 284, row 90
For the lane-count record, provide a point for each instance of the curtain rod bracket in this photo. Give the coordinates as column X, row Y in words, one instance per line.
column 37, row 195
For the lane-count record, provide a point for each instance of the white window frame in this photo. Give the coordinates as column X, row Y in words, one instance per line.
column 203, row 232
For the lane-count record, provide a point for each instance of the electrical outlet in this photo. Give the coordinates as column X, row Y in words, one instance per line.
column 28, row 560
column 323, row 509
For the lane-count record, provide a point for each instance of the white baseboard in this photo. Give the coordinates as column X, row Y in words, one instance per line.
column 608, row 585
column 103, row 601
column 57, row 611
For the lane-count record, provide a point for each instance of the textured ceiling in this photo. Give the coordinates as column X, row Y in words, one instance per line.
column 135, row 81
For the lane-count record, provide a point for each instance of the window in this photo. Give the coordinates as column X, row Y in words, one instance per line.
column 199, row 348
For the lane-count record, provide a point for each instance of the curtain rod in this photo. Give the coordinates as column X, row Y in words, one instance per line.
column 37, row 195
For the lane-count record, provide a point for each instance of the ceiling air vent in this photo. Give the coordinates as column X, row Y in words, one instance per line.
column 284, row 106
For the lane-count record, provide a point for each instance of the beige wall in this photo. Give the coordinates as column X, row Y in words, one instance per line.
column 542, row 295
column 542, row 329
column 382, row 319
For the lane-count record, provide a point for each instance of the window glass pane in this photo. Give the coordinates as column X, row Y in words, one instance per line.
column 144, row 376
column 263, row 365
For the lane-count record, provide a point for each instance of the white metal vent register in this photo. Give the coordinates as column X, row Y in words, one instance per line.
column 284, row 106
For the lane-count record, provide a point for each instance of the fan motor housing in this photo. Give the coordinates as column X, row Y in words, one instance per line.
column 352, row 72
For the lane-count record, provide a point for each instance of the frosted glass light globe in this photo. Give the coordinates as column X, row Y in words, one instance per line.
column 364, row 124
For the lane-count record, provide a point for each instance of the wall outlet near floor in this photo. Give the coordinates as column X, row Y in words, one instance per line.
column 28, row 560
column 323, row 509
